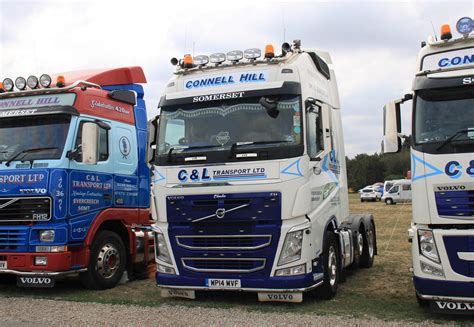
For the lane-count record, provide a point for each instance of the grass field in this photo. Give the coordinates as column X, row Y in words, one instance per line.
column 384, row 291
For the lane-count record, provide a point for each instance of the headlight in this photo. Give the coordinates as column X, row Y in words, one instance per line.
column 162, row 252
column 428, row 245
column 291, row 248
column 47, row 235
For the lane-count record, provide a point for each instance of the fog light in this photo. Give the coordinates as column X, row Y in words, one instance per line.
column 292, row 271
column 47, row 235
column 431, row 270
column 41, row 261
column 165, row 270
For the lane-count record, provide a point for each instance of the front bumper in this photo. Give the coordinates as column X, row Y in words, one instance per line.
column 22, row 264
column 433, row 289
column 300, row 283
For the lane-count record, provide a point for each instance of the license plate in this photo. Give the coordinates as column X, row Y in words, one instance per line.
column 35, row 281
column 223, row 283
column 169, row 292
column 3, row 265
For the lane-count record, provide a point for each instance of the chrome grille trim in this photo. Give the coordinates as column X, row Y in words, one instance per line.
column 262, row 266
column 267, row 243
column 6, row 204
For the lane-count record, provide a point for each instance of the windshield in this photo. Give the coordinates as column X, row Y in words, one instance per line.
column 242, row 125
column 30, row 139
column 442, row 113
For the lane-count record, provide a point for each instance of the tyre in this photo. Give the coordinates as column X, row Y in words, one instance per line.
column 361, row 200
column 331, row 262
column 388, row 201
column 106, row 263
column 368, row 251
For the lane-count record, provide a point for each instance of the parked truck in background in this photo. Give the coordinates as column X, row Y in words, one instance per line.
column 250, row 187
column 74, row 182
column 442, row 229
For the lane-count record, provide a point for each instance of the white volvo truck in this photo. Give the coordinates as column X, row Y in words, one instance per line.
column 442, row 158
column 250, row 188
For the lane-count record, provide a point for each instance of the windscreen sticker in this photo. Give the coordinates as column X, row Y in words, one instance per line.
column 226, row 79
column 35, row 102
column 222, row 174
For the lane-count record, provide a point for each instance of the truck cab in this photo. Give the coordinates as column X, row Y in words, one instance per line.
column 73, row 177
column 442, row 230
column 250, row 183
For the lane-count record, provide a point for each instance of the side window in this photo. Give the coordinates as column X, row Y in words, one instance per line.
column 406, row 187
column 315, row 130
column 394, row 189
column 103, row 144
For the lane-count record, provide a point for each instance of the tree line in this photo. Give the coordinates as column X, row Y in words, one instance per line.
column 365, row 169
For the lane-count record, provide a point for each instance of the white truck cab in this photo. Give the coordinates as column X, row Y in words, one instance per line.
column 250, row 187
column 442, row 230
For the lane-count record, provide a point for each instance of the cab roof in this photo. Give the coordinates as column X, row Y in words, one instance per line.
column 106, row 76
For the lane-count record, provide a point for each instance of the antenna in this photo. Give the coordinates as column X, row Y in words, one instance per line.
column 185, row 37
column 434, row 31
column 283, row 23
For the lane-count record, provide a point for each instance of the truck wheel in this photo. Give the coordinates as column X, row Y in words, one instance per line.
column 388, row 201
column 106, row 262
column 361, row 200
column 331, row 268
column 368, row 252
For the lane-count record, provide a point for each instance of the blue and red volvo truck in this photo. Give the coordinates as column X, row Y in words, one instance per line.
column 74, row 181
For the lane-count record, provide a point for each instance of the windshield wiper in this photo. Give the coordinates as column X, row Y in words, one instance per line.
column 452, row 137
column 239, row 144
column 28, row 151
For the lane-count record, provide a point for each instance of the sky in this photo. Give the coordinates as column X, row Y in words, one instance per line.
column 373, row 44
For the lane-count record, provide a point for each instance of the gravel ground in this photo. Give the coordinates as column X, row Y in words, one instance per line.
column 36, row 312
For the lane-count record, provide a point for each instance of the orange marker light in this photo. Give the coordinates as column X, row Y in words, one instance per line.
column 269, row 52
column 188, row 61
column 61, row 81
column 446, row 32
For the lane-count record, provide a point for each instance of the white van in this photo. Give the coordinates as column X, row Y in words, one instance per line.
column 399, row 192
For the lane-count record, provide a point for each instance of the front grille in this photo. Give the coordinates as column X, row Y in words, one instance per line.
column 460, row 244
column 230, row 265
column 12, row 238
column 224, row 242
column 25, row 209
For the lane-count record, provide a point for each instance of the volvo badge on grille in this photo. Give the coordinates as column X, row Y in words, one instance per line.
column 220, row 213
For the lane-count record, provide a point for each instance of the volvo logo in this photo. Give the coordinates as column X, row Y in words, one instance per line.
column 220, row 213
